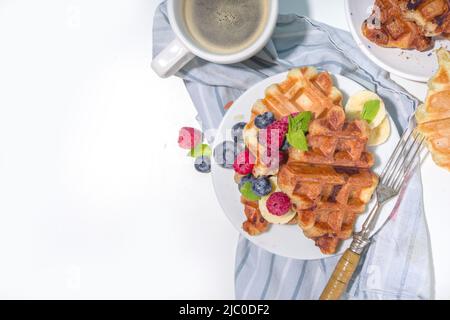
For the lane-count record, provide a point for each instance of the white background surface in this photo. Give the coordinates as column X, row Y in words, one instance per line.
column 96, row 199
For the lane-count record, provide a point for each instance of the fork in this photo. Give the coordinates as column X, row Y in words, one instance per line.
column 391, row 180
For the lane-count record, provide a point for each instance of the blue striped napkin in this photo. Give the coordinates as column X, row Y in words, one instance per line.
column 398, row 263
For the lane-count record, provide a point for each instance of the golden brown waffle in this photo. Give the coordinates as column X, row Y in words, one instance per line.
column 330, row 184
column 432, row 16
column 335, row 142
column 389, row 27
column 305, row 89
column 255, row 223
column 433, row 117
column 327, row 199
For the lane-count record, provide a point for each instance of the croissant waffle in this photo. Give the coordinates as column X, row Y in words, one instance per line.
column 327, row 199
column 433, row 117
column 305, row 89
column 432, row 16
column 255, row 223
column 335, row 142
column 331, row 184
column 407, row 24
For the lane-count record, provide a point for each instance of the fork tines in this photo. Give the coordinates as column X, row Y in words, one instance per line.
column 402, row 160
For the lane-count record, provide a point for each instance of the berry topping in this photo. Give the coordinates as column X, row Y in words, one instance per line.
column 244, row 162
column 264, row 119
column 262, row 186
column 244, row 179
column 203, row 164
column 278, row 203
column 247, row 192
column 273, row 135
column 226, row 152
column 236, row 131
column 285, row 146
column 189, row 138
column 413, row 4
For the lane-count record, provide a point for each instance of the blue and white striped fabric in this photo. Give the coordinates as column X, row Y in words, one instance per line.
column 398, row 263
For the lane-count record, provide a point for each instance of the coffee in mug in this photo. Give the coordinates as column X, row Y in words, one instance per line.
column 218, row 31
column 225, row 26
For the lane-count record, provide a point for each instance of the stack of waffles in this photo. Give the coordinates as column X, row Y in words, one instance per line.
column 433, row 116
column 331, row 183
column 407, row 24
column 305, row 89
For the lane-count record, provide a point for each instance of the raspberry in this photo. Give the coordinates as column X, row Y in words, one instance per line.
column 273, row 135
column 278, row 203
column 189, row 138
column 244, row 162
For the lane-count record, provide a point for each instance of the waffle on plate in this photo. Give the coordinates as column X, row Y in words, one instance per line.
column 331, row 183
column 305, row 89
column 328, row 183
column 407, row 24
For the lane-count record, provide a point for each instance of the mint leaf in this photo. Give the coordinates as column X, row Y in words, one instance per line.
column 295, row 123
column 297, row 139
column 247, row 192
column 300, row 121
column 297, row 127
column 370, row 110
column 305, row 120
column 291, row 124
column 200, row 150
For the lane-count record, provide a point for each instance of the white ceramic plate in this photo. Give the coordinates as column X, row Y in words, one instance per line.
column 284, row 240
column 409, row 64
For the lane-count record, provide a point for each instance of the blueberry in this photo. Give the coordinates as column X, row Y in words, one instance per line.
column 244, row 179
column 203, row 164
column 413, row 4
column 285, row 145
column 264, row 119
column 226, row 152
column 262, row 186
column 236, row 131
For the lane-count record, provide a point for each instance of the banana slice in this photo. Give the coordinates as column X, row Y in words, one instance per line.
column 285, row 218
column 355, row 105
column 380, row 134
column 250, row 136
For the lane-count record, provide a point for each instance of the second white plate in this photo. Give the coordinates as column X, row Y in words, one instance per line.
column 409, row 64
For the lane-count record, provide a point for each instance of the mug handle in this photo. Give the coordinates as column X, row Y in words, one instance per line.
column 171, row 59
